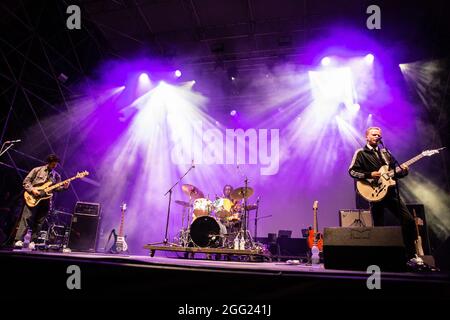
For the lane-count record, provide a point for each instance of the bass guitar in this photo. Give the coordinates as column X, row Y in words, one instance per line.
column 46, row 189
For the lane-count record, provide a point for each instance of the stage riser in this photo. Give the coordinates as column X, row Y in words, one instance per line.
column 186, row 284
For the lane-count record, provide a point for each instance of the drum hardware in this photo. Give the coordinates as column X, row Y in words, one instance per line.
column 182, row 203
column 186, row 188
column 239, row 194
column 256, row 218
column 192, row 191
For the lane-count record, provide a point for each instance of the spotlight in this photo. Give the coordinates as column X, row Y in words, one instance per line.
column 143, row 77
column 233, row 113
column 233, row 78
column 354, row 107
column 369, row 58
column 325, row 61
column 177, row 73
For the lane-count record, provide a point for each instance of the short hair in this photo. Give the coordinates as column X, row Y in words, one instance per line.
column 372, row 128
column 52, row 158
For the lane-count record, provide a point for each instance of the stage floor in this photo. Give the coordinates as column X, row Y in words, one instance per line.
column 188, row 280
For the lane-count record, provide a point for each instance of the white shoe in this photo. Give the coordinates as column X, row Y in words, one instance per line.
column 18, row 244
column 32, row 246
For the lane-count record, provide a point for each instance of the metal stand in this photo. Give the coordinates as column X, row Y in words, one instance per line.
column 7, row 148
column 166, row 240
column 244, row 226
column 358, row 222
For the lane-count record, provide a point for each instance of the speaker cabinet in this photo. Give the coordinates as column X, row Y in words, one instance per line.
column 84, row 227
column 357, row 248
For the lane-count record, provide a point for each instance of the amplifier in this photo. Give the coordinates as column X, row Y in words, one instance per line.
column 84, row 227
column 87, row 208
column 355, row 218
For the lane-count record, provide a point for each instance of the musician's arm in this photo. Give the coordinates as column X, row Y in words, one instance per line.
column 356, row 169
column 58, row 180
column 402, row 172
column 27, row 182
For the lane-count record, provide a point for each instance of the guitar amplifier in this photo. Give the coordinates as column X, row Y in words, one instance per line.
column 84, row 227
column 87, row 208
column 355, row 218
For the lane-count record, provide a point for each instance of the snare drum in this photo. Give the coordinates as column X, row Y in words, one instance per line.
column 207, row 232
column 202, row 207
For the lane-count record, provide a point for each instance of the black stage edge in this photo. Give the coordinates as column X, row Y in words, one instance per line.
column 189, row 281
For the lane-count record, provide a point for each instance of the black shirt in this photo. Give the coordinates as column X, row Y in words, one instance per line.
column 366, row 160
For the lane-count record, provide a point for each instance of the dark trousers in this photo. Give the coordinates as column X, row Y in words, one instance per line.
column 32, row 218
column 401, row 212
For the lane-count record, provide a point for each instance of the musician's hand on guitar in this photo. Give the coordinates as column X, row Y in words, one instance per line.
column 66, row 184
column 404, row 167
column 376, row 175
column 35, row 192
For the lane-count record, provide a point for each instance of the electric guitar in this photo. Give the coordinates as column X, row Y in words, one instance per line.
column 315, row 238
column 418, row 241
column 120, row 244
column 376, row 189
column 45, row 190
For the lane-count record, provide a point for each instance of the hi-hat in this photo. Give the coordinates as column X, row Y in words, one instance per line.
column 182, row 203
column 241, row 193
column 192, row 191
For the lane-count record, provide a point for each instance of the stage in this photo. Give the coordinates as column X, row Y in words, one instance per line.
column 179, row 280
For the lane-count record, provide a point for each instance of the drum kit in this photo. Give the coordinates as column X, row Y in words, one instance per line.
column 217, row 223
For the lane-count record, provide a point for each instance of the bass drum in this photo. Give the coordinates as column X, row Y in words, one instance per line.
column 207, row 232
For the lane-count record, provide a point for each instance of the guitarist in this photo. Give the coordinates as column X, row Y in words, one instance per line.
column 33, row 218
column 365, row 165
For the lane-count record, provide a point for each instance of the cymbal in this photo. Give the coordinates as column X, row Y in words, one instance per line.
column 192, row 191
column 241, row 193
column 182, row 203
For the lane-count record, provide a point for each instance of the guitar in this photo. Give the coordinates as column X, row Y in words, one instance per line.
column 120, row 244
column 418, row 241
column 45, row 190
column 376, row 189
column 315, row 238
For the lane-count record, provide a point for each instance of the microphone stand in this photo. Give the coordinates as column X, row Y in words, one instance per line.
column 166, row 240
column 2, row 152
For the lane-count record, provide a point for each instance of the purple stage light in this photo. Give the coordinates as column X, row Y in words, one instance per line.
column 369, row 58
column 177, row 73
column 325, row 61
column 233, row 113
column 143, row 77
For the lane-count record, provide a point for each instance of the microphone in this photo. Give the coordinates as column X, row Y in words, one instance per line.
column 13, row 141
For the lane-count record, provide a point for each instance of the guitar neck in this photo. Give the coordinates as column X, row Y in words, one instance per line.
column 407, row 163
column 59, row 184
column 413, row 160
column 121, row 224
